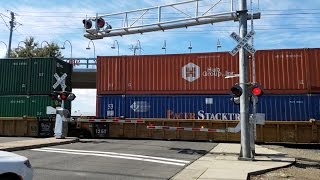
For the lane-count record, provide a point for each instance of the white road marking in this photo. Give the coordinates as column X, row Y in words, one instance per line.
column 117, row 155
column 120, row 154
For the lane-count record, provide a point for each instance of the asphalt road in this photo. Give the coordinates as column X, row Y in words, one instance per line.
column 114, row 159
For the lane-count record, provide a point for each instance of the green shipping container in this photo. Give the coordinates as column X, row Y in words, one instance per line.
column 25, row 76
column 23, row 105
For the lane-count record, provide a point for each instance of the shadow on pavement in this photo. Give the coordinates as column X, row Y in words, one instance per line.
column 189, row 151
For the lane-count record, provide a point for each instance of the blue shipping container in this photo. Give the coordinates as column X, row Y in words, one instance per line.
column 212, row 107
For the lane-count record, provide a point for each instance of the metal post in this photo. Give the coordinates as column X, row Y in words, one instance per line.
column 231, row 5
column 245, row 152
column 63, row 89
column 165, row 47
column 11, row 30
column 254, row 102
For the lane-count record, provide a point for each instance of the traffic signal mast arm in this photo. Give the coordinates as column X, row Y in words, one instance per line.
column 205, row 12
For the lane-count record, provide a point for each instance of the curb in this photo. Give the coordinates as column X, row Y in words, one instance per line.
column 255, row 173
column 10, row 149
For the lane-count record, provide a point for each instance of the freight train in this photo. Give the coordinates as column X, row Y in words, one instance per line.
column 190, row 90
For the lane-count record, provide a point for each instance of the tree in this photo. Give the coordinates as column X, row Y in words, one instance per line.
column 31, row 49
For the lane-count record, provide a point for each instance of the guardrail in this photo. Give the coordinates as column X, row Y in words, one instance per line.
column 82, row 63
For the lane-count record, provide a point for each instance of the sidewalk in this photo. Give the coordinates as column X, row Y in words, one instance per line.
column 35, row 143
column 222, row 163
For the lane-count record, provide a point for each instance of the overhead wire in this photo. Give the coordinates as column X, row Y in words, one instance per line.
column 291, row 13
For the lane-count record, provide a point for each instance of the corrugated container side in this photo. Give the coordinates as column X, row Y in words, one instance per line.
column 212, row 107
column 24, row 76
column 282, row 71
column 22, row 105
column 110, row 75
column 14, row 76
column 42, row 75
column 314, row 69
column 314, row 106
column 179, row 74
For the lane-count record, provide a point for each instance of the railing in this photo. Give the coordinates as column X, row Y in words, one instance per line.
column 82, row 63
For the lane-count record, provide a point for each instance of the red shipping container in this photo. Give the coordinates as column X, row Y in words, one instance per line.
column 202, row 73
column 285, row 71
column 110, row 75
column 282, row 71
column 314, row 70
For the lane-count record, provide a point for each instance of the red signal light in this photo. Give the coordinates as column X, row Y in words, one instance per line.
column 256, row 90
column 64, row 96
column 100, row 23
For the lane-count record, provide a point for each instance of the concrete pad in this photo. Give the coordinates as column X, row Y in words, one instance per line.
column 222, row 163
column 189, row 174
column 35, row 143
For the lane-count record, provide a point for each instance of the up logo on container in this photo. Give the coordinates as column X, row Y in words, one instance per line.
column 190, row 72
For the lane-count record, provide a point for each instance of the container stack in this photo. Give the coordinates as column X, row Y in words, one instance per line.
column 193, row 86
column 25, row 84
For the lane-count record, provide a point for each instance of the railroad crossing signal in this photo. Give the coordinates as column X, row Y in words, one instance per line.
column 62, row 95
column 60, row 81
column 242, row 43
column 254, row 90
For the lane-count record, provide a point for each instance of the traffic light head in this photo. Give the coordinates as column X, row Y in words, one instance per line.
column 54, row 95
column 236, row 90
column 256, row 89
column 87, row 23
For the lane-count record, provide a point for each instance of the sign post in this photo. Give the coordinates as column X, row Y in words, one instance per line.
column 242, row 46
column 61, row 124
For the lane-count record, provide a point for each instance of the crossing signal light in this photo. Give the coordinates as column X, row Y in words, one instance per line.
column 64, row 95
column 256, row 89
column 236, row 90
column 87, row 23
column 100, row 23
column 54, row 95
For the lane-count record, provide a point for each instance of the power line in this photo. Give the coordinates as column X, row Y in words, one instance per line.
column 4, row 20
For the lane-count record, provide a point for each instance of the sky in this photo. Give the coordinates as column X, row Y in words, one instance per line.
column 283, row 24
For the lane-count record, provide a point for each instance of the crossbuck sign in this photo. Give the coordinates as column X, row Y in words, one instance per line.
column 60, row 81
column 242, row 43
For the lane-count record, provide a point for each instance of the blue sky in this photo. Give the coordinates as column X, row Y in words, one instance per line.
column 283, row 24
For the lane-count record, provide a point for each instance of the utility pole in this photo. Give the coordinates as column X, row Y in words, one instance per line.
column 245, row 152
column 12, row 24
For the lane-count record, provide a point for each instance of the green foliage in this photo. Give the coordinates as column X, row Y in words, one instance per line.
column 31, row 48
